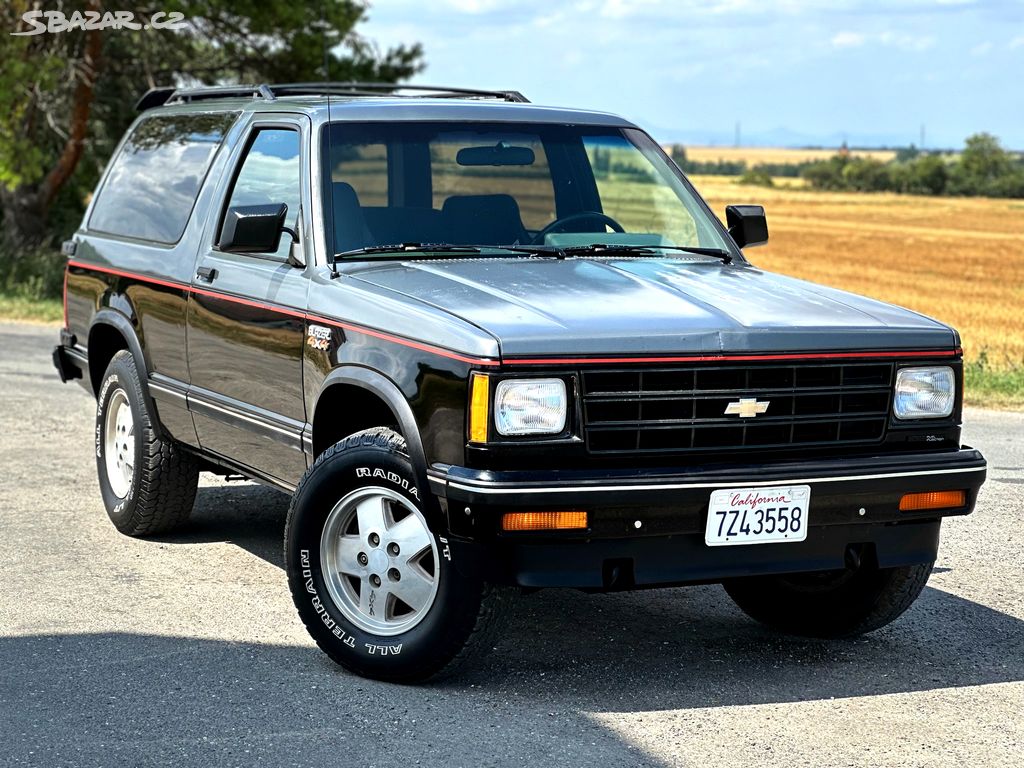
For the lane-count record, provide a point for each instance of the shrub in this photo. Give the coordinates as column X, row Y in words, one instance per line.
column 757, row 177
column 32, row 275
column 866, row 175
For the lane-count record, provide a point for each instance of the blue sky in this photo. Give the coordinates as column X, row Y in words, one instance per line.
column 791, row 72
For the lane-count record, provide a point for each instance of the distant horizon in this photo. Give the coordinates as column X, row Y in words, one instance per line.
column 795, row 73
column 836, row 147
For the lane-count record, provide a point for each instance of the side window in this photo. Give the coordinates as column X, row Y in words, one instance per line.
column 154, row 181
column 271, row 174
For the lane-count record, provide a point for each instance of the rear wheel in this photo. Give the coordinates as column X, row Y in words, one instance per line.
column 830, row 604
column 373, row 583
column 148, row 483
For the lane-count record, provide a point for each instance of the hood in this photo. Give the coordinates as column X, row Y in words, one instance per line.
column 586, row 306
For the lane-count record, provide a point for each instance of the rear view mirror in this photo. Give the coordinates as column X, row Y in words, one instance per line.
column 253, row 228
column 747, row 225
column 500, row 154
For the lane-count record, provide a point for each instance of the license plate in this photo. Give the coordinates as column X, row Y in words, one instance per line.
column 757, row 515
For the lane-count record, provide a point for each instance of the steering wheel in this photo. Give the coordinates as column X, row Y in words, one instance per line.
column 558, row 224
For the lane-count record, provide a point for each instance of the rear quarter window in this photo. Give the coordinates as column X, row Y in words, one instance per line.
column 153, row 182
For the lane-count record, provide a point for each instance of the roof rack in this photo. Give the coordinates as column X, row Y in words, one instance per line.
column 390, row 90
column 156, row 97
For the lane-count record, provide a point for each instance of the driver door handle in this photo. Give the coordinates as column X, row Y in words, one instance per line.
column 206, row 274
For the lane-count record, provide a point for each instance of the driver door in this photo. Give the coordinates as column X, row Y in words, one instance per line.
column 246, row 316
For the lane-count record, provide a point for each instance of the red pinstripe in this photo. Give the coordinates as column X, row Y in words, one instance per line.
column 727, row 358
column 423, row 347
column 483, row 361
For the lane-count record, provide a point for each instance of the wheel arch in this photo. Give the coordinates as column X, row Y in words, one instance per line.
column 375, row 392
column 109, row 333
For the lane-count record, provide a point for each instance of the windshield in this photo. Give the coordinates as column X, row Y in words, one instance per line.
column 504, row 184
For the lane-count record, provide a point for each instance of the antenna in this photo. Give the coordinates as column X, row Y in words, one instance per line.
column 330, row 194
column 323, row 42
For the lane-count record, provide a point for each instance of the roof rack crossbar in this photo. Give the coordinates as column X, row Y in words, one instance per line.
column 156, row 97
column 389, row 89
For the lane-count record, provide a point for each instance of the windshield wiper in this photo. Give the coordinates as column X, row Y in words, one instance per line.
column 400, row 250
column 646, row 250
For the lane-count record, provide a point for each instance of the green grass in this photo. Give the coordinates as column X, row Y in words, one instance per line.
column 17, row 306
column 990, row 386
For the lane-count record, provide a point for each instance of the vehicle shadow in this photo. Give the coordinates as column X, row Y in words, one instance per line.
column 681, row 648
column 134, row 699
column 246, row 515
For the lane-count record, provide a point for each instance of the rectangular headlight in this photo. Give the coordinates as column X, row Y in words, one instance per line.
column 924, row 393
column 530, row 407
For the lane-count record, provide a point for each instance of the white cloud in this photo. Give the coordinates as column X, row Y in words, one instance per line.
column 907, row 42
column 620, row 9
column 847, row 40
column 1017, row 42
column 981, row 49
column 474, row 6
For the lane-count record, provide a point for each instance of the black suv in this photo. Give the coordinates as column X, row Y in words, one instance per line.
column 487, row 344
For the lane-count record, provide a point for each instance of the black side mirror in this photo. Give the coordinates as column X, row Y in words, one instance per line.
column 253, row 228
column 747, row 225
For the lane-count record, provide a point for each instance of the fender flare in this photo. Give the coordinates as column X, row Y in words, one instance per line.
column 388, row 391
column 123, row 325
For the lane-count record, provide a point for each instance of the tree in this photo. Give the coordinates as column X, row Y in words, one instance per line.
column 828, row 174
column 931, row 174
column 865, row 174
column 981, row 166
column 66, row 98
column 905, row 154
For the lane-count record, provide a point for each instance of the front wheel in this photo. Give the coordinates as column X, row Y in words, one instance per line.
column 374, row 585
column 831, row 604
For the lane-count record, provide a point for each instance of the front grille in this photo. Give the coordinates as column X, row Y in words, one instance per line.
column 683, row 408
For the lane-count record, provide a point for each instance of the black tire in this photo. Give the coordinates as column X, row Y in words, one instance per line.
column 163, row 485
column 464, row 614
column 831, row 604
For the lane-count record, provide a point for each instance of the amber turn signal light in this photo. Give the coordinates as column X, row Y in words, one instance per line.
column 543, row 521
column 479, row 405
column 914, row 502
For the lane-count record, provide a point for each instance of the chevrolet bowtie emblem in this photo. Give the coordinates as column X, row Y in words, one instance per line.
column 747, row 407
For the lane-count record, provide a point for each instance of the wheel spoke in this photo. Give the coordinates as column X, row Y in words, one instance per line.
column 372, row 601
column 349, row 548
column 414, row 589
column 410, row 535
column 370, row 514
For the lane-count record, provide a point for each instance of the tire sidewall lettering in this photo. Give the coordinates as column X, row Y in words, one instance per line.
column 116, row 506
column 318, row 605
column 376, row 473
column 101, row 411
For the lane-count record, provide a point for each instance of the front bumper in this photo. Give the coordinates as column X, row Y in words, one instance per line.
column 647, row 526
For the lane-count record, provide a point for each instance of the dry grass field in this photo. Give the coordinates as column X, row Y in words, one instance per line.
column 960, row 260
column 780, row 155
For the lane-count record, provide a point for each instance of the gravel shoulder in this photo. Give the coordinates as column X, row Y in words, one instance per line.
column 187, row 651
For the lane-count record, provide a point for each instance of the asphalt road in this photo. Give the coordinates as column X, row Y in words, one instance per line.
column 187, row 651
